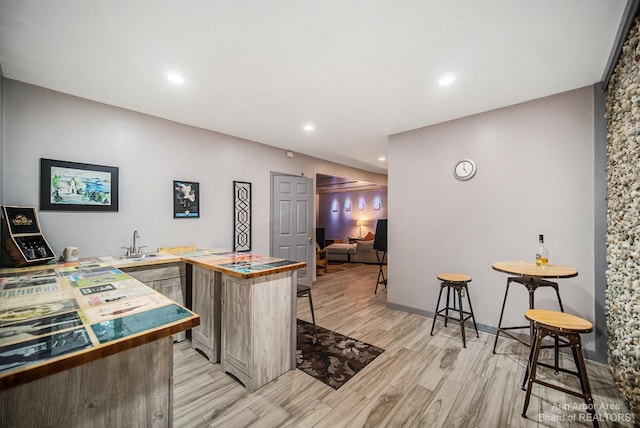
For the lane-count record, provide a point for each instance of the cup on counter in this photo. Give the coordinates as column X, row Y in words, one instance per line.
column 70, row 254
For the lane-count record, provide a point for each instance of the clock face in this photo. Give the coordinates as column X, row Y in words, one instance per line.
column 465, row 169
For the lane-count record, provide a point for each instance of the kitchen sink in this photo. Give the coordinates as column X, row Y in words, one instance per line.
column 136, row 256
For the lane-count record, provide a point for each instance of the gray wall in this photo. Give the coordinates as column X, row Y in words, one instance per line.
column 535, row 175
column 150, row 153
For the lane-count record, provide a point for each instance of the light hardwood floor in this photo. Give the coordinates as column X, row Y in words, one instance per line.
column 420, row 380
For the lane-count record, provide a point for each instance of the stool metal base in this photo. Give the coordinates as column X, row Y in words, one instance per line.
column 381, row 278
column 460, row 288
column 305, row 290
column 576, row 348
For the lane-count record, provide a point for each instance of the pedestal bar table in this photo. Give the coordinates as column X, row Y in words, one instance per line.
column 532, row 277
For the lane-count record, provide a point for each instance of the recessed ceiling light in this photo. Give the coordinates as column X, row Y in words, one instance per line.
column 309, row 128
column 382, row 158
column 175, row 78
column 447, row 79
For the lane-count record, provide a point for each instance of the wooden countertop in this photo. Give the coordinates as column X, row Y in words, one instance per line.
column 531, row 269
column 240, row 265
column 56, row 317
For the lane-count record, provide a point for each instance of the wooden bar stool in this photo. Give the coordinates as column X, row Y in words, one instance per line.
column 458, row 283
column 558, row 324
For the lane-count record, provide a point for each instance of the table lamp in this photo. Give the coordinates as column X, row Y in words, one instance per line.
column 361, row 222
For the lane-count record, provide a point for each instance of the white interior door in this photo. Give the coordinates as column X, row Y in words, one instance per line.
column 292, row 221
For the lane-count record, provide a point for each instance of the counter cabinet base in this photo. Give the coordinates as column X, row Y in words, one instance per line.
column 130, row 388
column 168, row 279
column 256, row 328
column 205, row 292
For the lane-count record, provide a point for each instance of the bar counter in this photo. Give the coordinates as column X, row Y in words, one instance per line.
column 248, row 308
column 55, row 317
column 85, row 344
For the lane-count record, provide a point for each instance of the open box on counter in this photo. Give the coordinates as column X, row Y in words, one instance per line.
column 22, row 237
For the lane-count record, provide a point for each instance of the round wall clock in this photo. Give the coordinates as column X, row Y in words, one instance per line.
column 465, row 169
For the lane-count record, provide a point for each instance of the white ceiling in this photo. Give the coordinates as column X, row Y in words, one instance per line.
column 358, row 70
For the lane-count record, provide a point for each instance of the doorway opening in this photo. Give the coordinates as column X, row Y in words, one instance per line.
column 347, row 209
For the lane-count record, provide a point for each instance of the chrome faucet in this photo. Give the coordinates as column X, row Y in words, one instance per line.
column 135, row 250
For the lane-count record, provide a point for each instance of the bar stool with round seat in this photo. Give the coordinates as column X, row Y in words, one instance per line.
column 568, row 327
column 458, row 283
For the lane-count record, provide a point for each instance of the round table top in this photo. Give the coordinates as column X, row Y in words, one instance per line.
column 531, row 269
column 454, row 277
column 559, row 320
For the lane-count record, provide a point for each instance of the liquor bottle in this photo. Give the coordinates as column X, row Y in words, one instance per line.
column 542, row 255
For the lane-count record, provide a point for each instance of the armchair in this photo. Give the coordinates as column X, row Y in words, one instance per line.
column 365, row 253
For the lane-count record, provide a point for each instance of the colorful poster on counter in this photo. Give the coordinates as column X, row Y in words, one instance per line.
column 36, row 310
column 21, row 271
column 127, row 283
column 26, row 330
column 96, row 277
column 249, row 266
column 10, row 292
column 83, row 265
column 42, row 349
column 118, row 309
column 101, row 298
column 36, row 283
column 133, row 324
column 39, row 278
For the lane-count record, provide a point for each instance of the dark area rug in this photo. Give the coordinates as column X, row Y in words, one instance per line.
column 335, row 358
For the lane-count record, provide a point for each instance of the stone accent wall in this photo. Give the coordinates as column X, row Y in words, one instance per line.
column 623, row 221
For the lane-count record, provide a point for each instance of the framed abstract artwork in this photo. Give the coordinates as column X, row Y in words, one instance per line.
column 186, row 199
column 74, row 186
column 241, row 216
